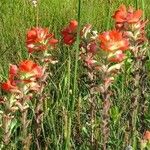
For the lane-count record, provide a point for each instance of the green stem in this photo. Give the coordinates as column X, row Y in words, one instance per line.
column 76, row 57
column 69, row 120
column 136, row 4
column 106, row 119
column 136, row 99
column 143, row 8
column 68, row 77
column 108, row 15
column 37, row 15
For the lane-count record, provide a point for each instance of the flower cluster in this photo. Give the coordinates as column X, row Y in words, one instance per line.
column 25, row 80
column 38, row 39
column 127, row 18
column 69, row 33
column 132, row 26
column 22, row 78
column 114, row 43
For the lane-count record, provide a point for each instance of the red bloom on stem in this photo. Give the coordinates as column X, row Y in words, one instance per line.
column 38, row 39
column 9, row 86
column 30, row 69
column 113, row 41
column 123, row 15
column 69, row 33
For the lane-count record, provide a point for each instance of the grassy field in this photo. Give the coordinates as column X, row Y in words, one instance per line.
column 66, row 122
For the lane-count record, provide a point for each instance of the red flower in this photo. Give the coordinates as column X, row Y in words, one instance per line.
column 30, row 69
column 113, row 41
column 69, row 33
column 123, row 15
column 39, row 39
column 9, row 86
column 147, row 135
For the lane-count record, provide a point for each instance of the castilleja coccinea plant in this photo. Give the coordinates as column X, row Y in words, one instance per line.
column 89, row 48
column 39, row 39
column 114, row 45
column 132, row 26
column 40, row 44
column 21, row 84
column 110, row 46
column 25, row 80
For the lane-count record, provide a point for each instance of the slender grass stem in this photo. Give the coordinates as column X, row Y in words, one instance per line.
column 136, row 99
column 106, row 119
column 68, row 78
column 76, row 57
column 108, row 15
column 37, row 14
column 143, row 8
column 69, row 120
column 136, row 4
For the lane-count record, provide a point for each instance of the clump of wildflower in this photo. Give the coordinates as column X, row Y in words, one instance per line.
column 39, row 39
column 114, row 44
column 127, row 18
column 132, row 26
column 23, row 77
column 22, row 81
column 69, row 33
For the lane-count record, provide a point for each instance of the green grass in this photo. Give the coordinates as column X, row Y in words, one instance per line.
column 66, row 119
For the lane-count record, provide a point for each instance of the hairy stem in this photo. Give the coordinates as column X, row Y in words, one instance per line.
column 106, row 118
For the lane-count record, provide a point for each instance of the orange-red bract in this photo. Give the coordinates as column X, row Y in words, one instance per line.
column 9, row 86
column 38, row 39
column 29, row 67
column 123, row 15
column 69, row 33
column 113, row 41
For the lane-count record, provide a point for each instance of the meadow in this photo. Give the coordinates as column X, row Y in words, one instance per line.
column 66, row 122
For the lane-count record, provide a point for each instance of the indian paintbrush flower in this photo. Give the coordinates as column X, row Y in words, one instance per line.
column 39, row 39
column 69, row 33
column 113, row 40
